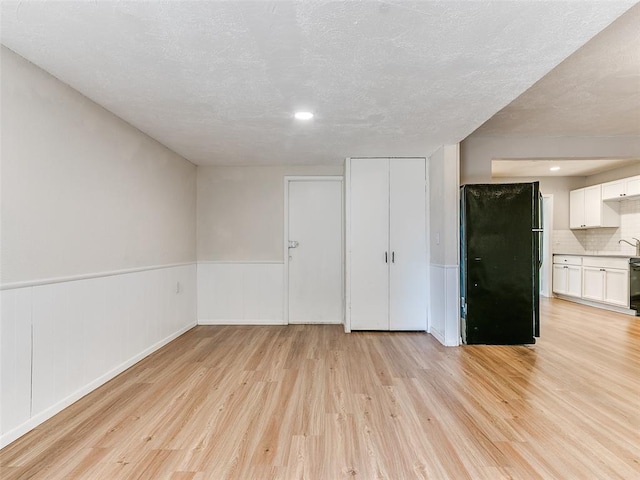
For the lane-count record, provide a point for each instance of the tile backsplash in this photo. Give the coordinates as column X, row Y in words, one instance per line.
column 602, row 240
column 569, row 241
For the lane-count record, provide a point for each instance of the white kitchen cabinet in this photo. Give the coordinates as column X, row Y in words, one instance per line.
column 606, row 280
column 567, row 280
column 588, row 210
column 621, row 189
column 616, row 287
column 593, row 284
column 386, row 244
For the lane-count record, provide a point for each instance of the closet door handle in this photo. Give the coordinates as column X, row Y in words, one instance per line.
column 393, row 257
column 386, row 258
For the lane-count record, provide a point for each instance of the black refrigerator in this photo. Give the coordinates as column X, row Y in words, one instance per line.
column 501, row 256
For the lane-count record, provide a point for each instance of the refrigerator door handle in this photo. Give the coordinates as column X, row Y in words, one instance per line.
column 540, row 233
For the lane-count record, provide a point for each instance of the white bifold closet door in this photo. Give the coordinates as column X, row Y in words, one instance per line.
column 407, row 241
column 369, row 232
column 387, row 258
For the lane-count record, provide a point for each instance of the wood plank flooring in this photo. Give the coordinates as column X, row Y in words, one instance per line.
column 310, row 402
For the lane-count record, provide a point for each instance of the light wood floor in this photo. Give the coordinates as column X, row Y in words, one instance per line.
column 312, row 402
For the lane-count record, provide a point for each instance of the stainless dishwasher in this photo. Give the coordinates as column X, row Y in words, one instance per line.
column 634, row 284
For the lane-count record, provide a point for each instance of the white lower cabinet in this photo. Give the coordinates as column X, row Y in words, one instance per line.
column 567, row 280
column 593, row 283
column 606, row 280
column 616, row 287
column 597, row 279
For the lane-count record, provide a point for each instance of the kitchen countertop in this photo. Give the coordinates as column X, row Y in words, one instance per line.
column 614, row 255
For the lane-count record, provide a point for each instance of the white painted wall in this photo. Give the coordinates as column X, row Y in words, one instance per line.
column 476, row 152
column 241, row 211
column 82, row 190
column 559, row 187
column 444, row 245
column 98, row 246
column 240, row 293
column 617, row 174
column 240, row 242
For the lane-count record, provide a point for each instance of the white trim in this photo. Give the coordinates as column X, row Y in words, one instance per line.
column 36, row 420
column 347, row 245
column 547, row 246
column 458, row 336
column 316, row 322
column 285, row 236
column 445, row 266
column 241, row 262
column 589, row 303
column 236, row 322
column 88, row 276
column 427, row 237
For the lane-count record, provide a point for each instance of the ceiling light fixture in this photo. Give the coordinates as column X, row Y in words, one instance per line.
column 554, row 169
column 303, row 115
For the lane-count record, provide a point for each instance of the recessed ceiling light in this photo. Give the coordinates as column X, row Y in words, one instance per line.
column 554, row 169
column 303, row 115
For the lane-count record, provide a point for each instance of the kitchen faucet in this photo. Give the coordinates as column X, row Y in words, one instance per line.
column 637, row 244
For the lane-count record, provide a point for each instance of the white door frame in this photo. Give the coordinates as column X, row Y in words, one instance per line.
column 547, row 243
column 308, row 178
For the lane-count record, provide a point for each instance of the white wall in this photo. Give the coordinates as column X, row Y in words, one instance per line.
column 240, row 242
column 559, row 187
column 97, row 246
column 241, row 211
column 444, row 244
column 476, row 152
column 617, row 174
column 82, row 190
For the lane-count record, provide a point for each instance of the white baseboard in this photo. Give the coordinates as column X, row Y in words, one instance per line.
column 589, row 303
column 244, row 321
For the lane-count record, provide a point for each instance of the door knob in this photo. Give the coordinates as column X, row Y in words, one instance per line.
column 293, row 244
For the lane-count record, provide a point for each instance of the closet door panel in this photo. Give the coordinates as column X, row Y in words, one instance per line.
column 408, row 275
column 369, row 235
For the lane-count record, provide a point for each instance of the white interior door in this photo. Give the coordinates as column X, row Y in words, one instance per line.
column 315, row 259
column 408, row 245
column 369, row 244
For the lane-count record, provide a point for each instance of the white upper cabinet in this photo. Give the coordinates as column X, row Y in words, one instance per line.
column 386, row 244
column 621, row 189
column 588, row 210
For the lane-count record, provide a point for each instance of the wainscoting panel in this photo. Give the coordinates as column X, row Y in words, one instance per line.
column 444, row 315
column 437, row 313
column 240, row 293
column 15, row 358
column 85, row 332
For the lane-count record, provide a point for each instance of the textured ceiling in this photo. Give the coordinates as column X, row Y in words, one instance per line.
column 218, row 82
column 594, row 92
